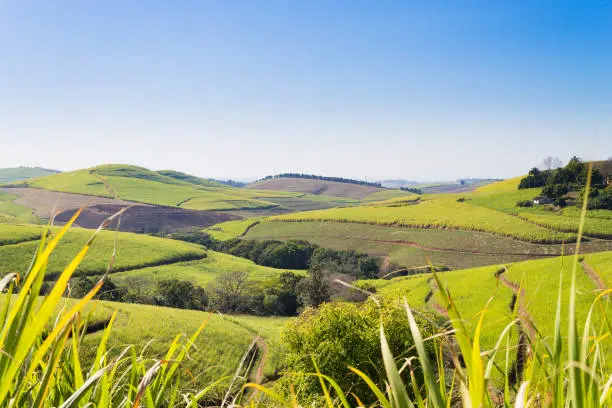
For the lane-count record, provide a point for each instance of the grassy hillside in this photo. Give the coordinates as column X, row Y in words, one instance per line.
column 201, row 272
column 13, row 174
column 598, row 223
column 231, row 229
column 218, row 351
column 12, row 212
column 445, row 213
column 317, row 187
column 133, row 250
column 472, row 288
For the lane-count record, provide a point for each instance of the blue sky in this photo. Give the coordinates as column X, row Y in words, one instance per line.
column 429, row 90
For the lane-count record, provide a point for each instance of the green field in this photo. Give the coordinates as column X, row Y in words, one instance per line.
column 230, row 229
column 593, row 227
column 439, row 213
column 15, row 233
column 201, row 272
column 471, row 289
column 133, row 251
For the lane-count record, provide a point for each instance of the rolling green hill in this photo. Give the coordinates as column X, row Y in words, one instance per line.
column 176, row 189
column 133, row 250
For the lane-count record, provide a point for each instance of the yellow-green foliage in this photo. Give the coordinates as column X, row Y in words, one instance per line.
column 436, row 213
column 133, row 251
column 504, row 201
column 594, row 227
column 201, row 272
column 231, row 229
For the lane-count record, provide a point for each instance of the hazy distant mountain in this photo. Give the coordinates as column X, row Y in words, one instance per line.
column 397, row 183
column 13, row 174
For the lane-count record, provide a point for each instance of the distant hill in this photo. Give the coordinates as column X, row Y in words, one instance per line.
column 319, row 186
column 13, row 174
column 166, row 188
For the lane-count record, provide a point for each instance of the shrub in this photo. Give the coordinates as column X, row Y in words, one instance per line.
column 82, row 285
column 181, row 295
column 341, row 334
column 524, row 203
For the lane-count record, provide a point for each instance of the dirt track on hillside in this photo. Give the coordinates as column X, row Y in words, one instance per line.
column 594, row 276
column 523, row 313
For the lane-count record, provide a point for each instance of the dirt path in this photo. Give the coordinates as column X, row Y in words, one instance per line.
column 594, row 276
column 263, row 347
column 246, row 231
column 429, row 298
column 450, row 250
column 526, row 318
column 108, row 188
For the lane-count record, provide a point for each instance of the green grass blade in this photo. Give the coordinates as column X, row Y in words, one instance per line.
column 399, row 396
column 576, row 379
column 382, row 399
column 437, row 399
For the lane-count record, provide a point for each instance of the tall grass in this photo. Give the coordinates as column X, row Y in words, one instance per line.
column 40, row 364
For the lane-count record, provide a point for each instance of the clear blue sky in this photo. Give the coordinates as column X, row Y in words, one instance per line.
column 379, row 89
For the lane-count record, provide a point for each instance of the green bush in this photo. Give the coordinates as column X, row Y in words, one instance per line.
column 341, row 334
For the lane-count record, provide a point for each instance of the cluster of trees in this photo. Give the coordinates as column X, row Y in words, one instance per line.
column 299, row 254
column 233, row 293
column 230, row 182
column 557, row 182
column 315, row 177
column 412, row 190
column 292, row 254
